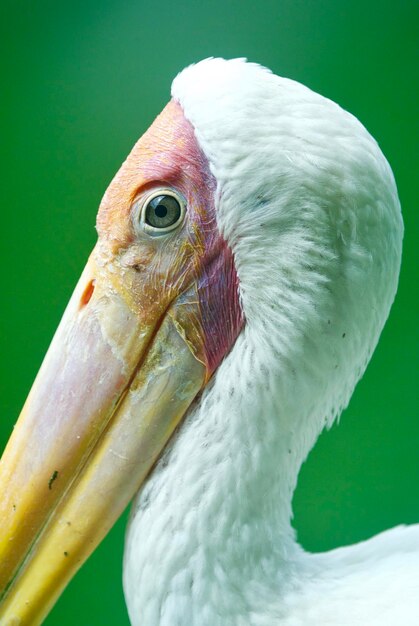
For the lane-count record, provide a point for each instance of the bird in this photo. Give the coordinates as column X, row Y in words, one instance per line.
column 247, row 258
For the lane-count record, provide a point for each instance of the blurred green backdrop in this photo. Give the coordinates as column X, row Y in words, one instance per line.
column 81, row 81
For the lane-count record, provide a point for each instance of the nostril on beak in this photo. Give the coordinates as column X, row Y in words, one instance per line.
column 87, row 293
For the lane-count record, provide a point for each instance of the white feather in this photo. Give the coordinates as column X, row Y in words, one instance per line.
column 308, row 205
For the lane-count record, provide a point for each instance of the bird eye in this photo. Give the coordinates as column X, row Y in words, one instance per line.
column 163, row 211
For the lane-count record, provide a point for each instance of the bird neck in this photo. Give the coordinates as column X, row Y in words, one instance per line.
column 217, row 508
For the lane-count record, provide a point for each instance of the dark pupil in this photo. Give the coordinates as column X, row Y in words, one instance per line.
column 162, row 211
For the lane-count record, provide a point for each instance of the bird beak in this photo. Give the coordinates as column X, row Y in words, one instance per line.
column 112, row 389
column 148, row 323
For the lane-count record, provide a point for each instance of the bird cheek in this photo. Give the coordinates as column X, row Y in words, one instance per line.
column 153, row 274
column 219, row 298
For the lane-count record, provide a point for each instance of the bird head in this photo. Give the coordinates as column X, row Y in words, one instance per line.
column 251, row 208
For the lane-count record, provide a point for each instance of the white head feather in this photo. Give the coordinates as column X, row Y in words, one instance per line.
column 309, row 206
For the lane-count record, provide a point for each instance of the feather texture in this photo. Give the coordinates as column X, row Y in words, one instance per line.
column 308, row 205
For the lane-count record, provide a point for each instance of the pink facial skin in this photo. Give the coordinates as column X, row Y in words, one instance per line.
column 169, row 155
column 217, row 283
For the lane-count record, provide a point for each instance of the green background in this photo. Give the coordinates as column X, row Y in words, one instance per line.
column 80, row 83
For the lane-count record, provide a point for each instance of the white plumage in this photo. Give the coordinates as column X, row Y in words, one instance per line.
column 308, row 205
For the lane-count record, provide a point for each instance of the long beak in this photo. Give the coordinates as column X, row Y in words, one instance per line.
column 112, row 389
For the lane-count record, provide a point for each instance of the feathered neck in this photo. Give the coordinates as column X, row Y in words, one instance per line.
column 213, row 521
